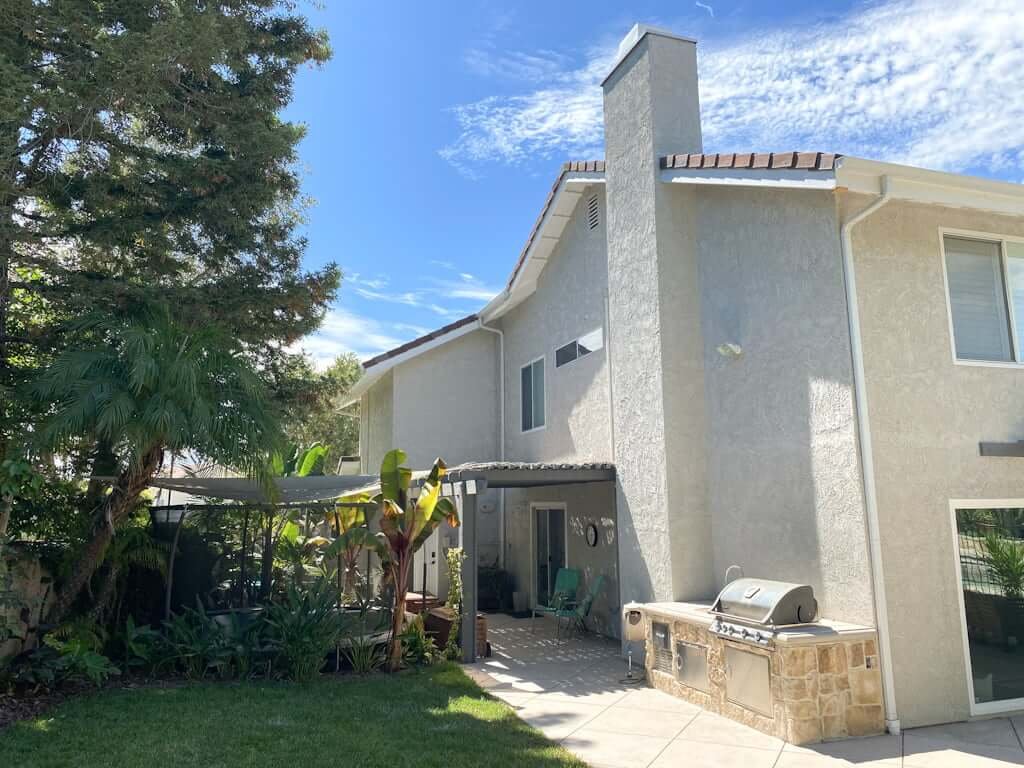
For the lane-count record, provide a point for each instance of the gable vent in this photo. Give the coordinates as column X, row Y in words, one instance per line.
column 593, row 212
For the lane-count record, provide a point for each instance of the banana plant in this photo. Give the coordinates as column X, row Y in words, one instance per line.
column 404, row 527
column 354, row 536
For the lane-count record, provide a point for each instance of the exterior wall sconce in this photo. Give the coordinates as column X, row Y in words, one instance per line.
column 729, row 351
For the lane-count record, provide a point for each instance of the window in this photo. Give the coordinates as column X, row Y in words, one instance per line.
column 532, row 395
column 986, row 298
column 576, row 349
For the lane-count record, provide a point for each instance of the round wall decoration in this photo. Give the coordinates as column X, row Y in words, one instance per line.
column 591, row 535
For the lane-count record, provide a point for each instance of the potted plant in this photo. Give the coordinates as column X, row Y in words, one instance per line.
column 1004, row 559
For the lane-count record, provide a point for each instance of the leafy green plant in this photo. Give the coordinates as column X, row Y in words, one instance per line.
column 58, row 661
column 404, row 526
column 360, row 644
column 195, row 644
column 454, row 558
column 1004, row 559
column 304, row 626
column 418, row 649
column 142, row 645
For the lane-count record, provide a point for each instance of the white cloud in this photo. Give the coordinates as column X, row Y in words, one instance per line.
column 344, row 331
column 924, row 82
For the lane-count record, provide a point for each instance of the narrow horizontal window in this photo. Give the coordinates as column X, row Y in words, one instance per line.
column 584, row 345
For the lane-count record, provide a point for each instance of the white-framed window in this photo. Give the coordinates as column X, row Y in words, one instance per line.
column 577, row 348
column 985, row 287
column 531, row 377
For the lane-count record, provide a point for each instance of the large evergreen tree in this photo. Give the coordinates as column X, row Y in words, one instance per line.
column 142, row 154
column 144, row 163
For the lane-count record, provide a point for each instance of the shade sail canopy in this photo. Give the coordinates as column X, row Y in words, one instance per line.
column 290, row 489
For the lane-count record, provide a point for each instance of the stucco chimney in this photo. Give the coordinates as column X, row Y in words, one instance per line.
column 658, row 70
column 651, row 109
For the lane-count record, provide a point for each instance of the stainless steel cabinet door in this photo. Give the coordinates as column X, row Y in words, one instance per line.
column 747, row 680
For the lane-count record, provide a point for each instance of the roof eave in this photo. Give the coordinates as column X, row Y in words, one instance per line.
column 921, row 185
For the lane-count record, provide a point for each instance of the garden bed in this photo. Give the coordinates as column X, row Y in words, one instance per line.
column 433, row 717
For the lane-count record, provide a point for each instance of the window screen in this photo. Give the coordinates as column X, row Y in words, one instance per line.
column 977, row 299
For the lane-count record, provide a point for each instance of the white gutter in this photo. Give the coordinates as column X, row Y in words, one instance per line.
column 892, row 721
column 501, row 433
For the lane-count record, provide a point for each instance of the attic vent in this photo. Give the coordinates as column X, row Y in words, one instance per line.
column 593, row 213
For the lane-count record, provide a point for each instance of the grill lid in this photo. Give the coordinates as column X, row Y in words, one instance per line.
column 766, row 602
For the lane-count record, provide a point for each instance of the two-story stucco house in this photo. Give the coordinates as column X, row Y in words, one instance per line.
column 806, row 364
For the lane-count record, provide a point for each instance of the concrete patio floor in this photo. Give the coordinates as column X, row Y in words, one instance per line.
column 572, row 692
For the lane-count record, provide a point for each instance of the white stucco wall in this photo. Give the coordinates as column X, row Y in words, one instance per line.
column 927, row 417
column 376, row 424
column 442, row 403
column 784, row 488
column 584, row 504
column 569, row 301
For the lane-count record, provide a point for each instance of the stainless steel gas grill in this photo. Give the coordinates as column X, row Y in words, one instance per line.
column 752, row 610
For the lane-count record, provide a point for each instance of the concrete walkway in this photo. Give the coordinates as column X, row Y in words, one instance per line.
column 572, row 691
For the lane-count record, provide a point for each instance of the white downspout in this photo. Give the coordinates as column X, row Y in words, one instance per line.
column 892, row 721
column 501, row 434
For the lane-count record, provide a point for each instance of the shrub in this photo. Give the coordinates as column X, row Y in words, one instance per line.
column 195, row 644
column 417, row 648
column 303, row 627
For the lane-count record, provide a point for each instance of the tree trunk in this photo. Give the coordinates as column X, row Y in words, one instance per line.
column 130, row 484
column 6, row 505
column 105, row 594
column 400, row 573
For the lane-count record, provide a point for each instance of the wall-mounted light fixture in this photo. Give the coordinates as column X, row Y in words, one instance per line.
column 730, row 350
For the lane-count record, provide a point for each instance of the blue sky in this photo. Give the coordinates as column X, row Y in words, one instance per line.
column 436, row 130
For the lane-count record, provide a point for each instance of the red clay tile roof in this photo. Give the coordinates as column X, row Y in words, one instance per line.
column 809, row 161
column 421, row 340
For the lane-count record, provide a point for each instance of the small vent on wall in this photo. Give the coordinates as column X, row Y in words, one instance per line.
column 593, row 212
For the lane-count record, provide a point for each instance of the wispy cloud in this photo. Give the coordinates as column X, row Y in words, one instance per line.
column 918, row 81
column 346, row 331
column 461, row 288
column 706, row 7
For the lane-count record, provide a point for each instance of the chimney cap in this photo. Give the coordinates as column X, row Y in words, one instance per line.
column 633, row 38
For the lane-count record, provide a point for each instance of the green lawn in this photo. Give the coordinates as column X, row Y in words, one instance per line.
column 437, row 717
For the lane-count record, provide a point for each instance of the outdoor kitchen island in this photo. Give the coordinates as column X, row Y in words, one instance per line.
column 804, row 683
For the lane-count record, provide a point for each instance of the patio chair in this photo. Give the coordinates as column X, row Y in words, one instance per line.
column 575, row 614
column 567, row 581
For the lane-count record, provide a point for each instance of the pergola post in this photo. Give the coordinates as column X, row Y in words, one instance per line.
column 466, row 493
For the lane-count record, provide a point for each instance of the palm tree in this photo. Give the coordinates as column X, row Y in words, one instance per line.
column 133, row 547
column 146, row 382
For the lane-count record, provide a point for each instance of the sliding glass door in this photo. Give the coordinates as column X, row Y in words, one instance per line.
column 990, row 548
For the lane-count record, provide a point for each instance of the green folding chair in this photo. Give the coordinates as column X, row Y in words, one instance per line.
column 567, row 581
column 575, row 614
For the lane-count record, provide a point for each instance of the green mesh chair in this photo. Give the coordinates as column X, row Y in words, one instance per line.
column 575, row 614
column 567, row 581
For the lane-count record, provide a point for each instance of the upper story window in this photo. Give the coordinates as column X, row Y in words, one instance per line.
column 986, row 297
column 584, row 345
column 532, row 395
